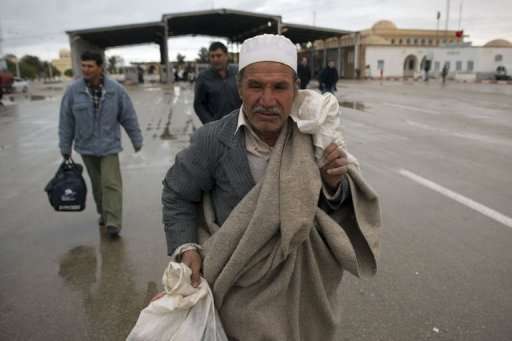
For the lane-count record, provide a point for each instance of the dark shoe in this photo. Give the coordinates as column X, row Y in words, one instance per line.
column 113, row 231
column 101, row 221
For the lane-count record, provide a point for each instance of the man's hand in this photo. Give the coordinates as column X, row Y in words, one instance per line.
column 193, row 260
column 336, row 166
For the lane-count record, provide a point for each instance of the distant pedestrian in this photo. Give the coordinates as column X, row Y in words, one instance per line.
column 93, row 109
column 368, row 72
column 140, row 74
column 426, row 69
column 216, row 93
column 444, row 72
column 304, row 73
column 329, row 78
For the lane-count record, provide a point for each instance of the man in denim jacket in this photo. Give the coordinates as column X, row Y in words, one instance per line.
column 91, row 114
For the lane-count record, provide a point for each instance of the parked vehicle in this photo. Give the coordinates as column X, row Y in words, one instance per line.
column 6, row 80
column 20, row 85
column 501, row 74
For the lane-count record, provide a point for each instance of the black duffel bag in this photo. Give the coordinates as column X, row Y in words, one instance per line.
column 67, row 190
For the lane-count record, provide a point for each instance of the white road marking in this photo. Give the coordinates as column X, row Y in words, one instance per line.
column 401, row 106
column 489, row 212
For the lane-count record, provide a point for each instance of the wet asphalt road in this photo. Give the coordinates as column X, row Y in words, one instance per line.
column 445, row 269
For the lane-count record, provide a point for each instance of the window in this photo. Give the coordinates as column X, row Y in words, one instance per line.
column 380, row 64
column 422, row 41
column 458, row 66
column 392, row 41
column 400, row 42
column 415, row 41
column 471, row 65
column 350, row 57
column 437, row 66
column 430, row 41
column 408, row 41
column 447, row 65
column 498, row 58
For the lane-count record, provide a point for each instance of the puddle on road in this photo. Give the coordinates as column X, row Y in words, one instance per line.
column 40, row 97
column 353, row 105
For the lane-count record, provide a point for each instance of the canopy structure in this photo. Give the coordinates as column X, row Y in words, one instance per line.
column 234, row 25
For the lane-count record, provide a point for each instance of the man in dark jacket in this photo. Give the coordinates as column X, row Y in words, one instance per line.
column 216, row 92
column 304, row 73
column 328, row 78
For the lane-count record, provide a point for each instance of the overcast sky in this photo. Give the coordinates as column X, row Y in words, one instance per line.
column 38, row 27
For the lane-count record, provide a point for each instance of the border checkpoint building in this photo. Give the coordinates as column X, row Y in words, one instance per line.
column 384, row 50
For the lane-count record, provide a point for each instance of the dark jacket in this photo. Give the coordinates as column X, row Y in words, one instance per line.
column 215, row 162
column 215, row 96
column 329, row 77
column 304, row 74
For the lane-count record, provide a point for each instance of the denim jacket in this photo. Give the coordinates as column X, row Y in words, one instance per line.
column 97, row 132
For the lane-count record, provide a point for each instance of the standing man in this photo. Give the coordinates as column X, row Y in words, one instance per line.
column 279, row 231
column 216, row 93
column 93, row 109
column 329, row 78
column 444, row 72
column 304, row 73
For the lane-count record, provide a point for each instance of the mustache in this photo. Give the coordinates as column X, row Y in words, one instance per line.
column 266, row 110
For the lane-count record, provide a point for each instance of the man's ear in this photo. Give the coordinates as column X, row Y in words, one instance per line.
column 240, row 91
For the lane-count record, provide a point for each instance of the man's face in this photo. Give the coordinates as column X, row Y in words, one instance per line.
column 268, row 90
column 331, row 64
column 304, row 61
column 90, row 70
column 218, row 59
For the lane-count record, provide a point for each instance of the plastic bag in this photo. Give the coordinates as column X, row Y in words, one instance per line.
column 184, row 313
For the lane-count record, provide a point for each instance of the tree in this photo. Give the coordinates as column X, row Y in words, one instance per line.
column 180, row 59
column 31, row 67
column 202, row 55
column 46, row 70
column 68, row 73
column 113, row 64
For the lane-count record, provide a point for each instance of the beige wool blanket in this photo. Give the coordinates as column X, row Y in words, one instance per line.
column 277, row 261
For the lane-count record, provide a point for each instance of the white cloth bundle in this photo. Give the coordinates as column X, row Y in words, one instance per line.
column 183, row 313
column 320, row 116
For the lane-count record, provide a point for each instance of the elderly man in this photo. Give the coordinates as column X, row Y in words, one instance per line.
column 216, row 93
column 247, row 203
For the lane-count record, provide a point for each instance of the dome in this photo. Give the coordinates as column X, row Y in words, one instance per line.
column 384, row 25
column 498, row 43
column 376, row 40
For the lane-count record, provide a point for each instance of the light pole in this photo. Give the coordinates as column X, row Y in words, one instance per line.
column 18, row 73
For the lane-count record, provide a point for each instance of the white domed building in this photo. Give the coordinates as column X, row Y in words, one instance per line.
column 384, row 49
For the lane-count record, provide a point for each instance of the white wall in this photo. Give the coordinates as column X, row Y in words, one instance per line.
column 394, row 58
column 483, row 58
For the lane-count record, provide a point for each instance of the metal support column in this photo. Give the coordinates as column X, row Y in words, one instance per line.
column 166, row 52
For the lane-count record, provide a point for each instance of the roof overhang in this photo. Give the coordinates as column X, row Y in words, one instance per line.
column 300, row 34
column 234, row 25
column 123, row 35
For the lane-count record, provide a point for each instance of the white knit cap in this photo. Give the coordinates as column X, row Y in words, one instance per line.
column 268, row 48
